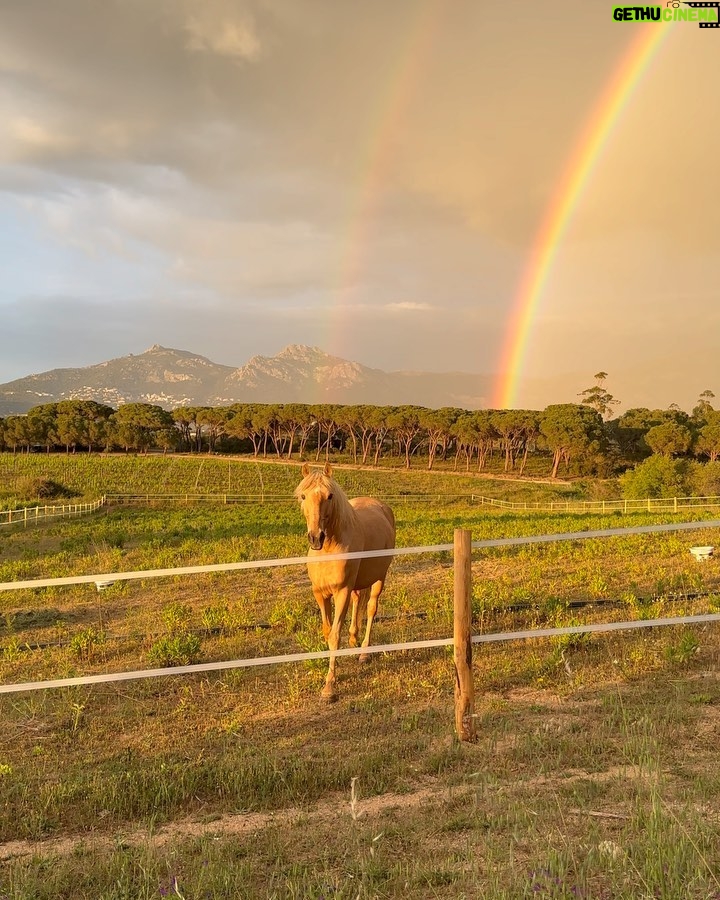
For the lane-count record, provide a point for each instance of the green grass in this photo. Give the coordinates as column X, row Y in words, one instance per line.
column 91, row 475
column 594, row 774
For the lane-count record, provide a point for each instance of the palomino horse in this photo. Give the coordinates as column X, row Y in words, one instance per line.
column 338, row 525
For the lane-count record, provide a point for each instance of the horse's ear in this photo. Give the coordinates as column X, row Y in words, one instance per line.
column 305, row 470
column 328, row 470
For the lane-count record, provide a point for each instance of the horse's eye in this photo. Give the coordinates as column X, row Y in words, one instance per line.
column 302, row 496
column 329, row 496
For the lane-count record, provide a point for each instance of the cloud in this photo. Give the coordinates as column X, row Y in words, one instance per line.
column 407, row 306
column 32, row 135
column 237, row 38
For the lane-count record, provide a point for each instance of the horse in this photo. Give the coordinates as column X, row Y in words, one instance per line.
column 336, row 524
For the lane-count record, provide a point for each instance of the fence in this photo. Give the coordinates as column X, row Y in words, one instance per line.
column 227, row 499
column 33, row 515
column 650, row 504
column 106, row 579
column 462, row 638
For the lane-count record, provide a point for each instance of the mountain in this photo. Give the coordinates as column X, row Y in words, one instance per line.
column 171, row 378
column 166, row 377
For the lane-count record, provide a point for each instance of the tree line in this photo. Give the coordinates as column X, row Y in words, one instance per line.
column 571, row 437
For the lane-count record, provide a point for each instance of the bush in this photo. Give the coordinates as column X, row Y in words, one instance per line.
column 44, row 489
column 35, row 488
column 658, row 476
column 706, row 480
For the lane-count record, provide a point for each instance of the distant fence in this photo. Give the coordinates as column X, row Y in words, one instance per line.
column 33, row 515
column 228, row 499
column 650, row 504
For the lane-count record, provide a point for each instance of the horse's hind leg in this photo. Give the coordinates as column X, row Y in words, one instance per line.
column 359, row 605
column 372, row 606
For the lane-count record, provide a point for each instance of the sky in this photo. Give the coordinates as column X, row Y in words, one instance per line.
column 232, row 176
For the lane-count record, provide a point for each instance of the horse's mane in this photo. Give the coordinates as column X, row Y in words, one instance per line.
column 342, row 510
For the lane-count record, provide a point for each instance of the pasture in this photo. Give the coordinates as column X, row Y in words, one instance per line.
column 595, row 770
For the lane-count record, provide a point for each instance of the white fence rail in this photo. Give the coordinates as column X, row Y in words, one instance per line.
column 253, row 662
column 225, row 498
column 649, row 504
column 107, row 579
column 33, row 515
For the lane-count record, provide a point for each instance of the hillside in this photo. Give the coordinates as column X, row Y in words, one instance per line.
column 172, row 378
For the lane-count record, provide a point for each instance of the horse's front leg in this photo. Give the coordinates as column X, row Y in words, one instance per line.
column 323, row 602
column 372, row 606
column 342, row 599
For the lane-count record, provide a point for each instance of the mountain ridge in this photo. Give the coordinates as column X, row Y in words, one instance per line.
column 298, row 373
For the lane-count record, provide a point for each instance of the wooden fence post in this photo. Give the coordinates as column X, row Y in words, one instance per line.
column 464, row 688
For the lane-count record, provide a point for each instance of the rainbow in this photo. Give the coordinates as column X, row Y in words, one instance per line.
column 594, row 138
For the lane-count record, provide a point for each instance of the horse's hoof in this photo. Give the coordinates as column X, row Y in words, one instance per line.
column 330, row 693
column 365, row 658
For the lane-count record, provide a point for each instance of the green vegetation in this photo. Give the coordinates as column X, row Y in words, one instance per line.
column 92, row 475
column 569, row 439
column 595, row 770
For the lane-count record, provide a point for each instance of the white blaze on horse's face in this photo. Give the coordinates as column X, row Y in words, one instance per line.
column 316, row 505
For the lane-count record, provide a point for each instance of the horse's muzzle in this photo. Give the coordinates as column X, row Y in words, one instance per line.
column 316, row 540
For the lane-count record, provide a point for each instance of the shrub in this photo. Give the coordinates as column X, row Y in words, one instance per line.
column 658, row 476
column 44, row 489
column 706, row 480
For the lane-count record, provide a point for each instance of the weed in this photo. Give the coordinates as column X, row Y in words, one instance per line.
column 290, row 613
column 84, row 643
column 177, row 617
column 180, row 649
column 77, row 713
column 12, row 650
column 684, row 648
column 218, row 618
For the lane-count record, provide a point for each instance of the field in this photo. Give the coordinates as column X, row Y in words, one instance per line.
column 90, row 475
column 594, row 774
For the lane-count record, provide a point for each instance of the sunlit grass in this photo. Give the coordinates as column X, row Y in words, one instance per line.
column 594, row 774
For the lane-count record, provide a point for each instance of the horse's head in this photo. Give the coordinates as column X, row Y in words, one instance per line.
column 316, row 494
